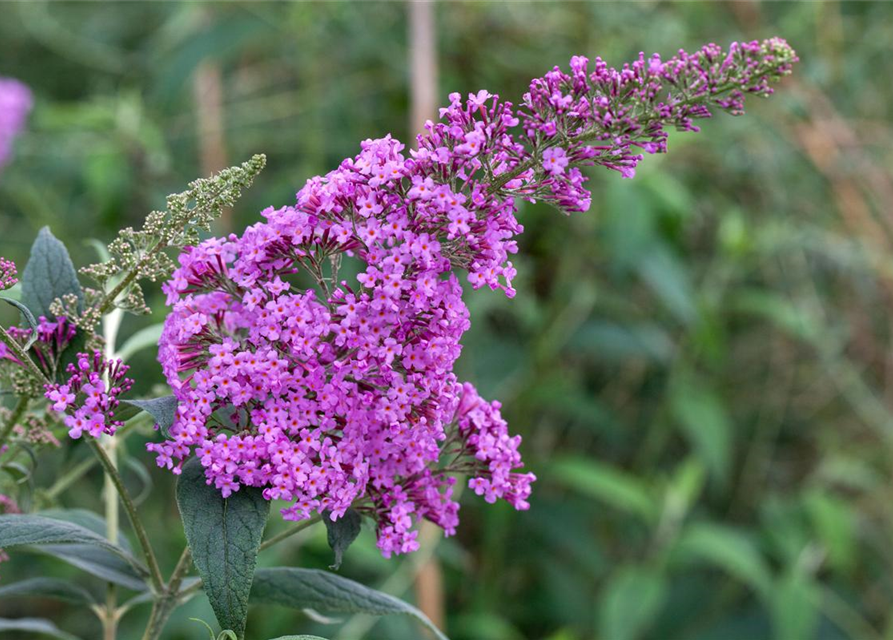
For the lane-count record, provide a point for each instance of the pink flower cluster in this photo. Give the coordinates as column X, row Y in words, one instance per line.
column 8, row 274
column 89, row 396
column 15, row 104
column 339, row 397
column 344, row 394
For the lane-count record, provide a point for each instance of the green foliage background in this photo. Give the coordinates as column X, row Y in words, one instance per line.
column 700, row 366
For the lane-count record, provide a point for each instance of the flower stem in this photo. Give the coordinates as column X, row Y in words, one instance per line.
column 78, row 472
column 130, row 508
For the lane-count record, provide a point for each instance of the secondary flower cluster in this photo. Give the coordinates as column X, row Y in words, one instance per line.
column 52, row 338
column 344, row 394
column 89, row 396
column 15, row 103
column 90, row 388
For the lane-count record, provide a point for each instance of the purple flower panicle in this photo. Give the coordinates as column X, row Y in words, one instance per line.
column 344, row 395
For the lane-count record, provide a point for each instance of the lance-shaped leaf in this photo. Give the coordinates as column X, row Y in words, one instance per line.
column 75, row 543
column 95, row 560
column 341, row 533
column 99, row 562
column 224, row 535
column 54, row 588
column 48, row 275
column 35, row 625
column 302, row 588
column 19, row 529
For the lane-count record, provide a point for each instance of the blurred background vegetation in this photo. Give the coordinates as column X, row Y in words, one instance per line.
column 701, row 366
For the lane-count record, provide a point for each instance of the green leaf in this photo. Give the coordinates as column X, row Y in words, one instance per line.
column 631, row 599
column 304, row 637
column 702, row 417
column 48, row 275
column 142, row 339
column 321, row 590
column 21, row 529
column 668, row 278
column 99, row 561
column 28, row 317
column 48, row 588
column 728, row 549
column 793, row 607
column 779, row 310
column 834, row 520
column 613, row 486
column 164, row 410
column 341, row 533
column 683, row 489
column 35, row 625
column 88, row 520
column 224, row 535
column 17, row 471
column 619, row 342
